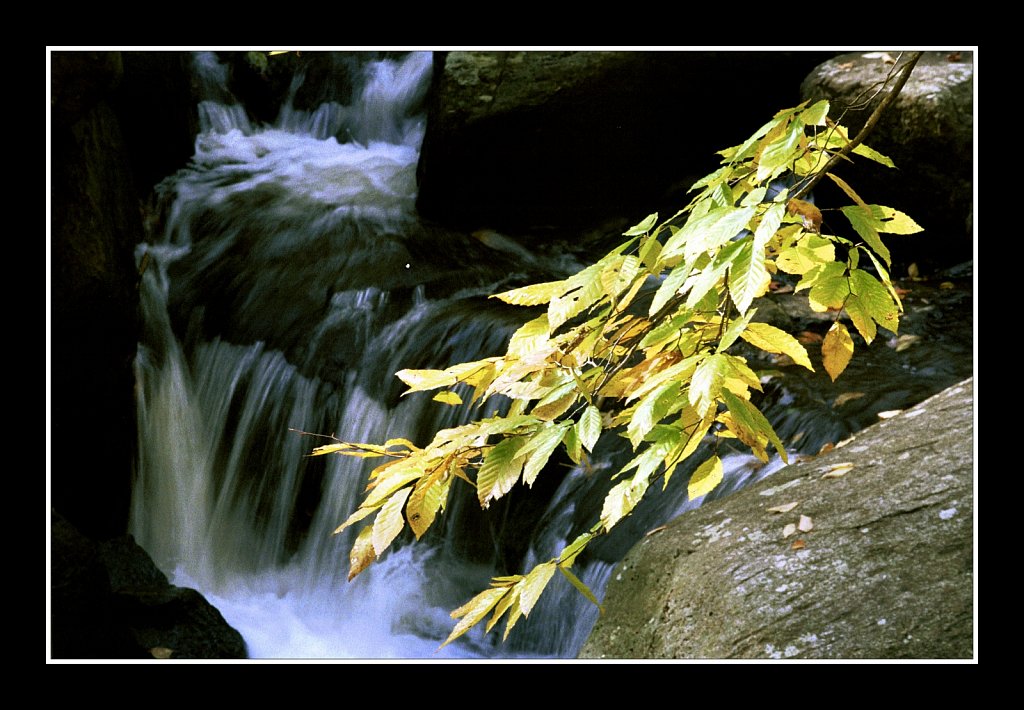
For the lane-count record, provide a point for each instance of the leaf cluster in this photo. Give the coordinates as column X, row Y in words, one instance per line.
column 638, row 344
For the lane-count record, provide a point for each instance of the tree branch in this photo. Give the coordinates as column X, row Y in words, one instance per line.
column 868, row 126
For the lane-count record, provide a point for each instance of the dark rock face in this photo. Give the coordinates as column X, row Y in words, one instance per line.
column 928, row 132
column 886, row 571
column 523, row 140
column 109, row 600
column 95, row 223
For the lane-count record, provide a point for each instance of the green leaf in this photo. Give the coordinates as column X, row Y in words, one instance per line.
column 876, row 299
column 848, row 190
column 706, row 382
column 669, row 287
column 539, row 448
column 589, row 427
column 781, row 152
column 836, row 350
column 713, row 274
column 473, row 611
column 867, row 226
column 734, row 331
column 773, row 340
column 573, row 447
column 580, row 587
column 451, row 398
column 568, row 555
column 815, row 115
column 872, row 154
column 643, row 227
column 499, row 471
column 709, row 179
column 811, row 250
column 749, row 416
column 534, row 585
column 894, row 221
column 707, row 232
column 861, row 318
column 532, row 295
column 830, row 289
column 651, row 410
column 389, row 522
column 744, row 149
column 705, row 479
column 748, row 277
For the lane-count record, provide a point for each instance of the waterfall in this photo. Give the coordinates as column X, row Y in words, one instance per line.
column 291, row 280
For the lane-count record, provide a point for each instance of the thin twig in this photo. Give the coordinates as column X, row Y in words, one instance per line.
column 868, row 126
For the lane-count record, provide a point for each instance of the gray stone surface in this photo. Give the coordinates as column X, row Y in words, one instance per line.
column 886, row 571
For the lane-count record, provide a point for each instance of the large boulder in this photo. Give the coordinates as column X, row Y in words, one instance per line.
column 885, row 569
column 95, row 224
column 928, row 132
column 527, row 140
column 108, row 600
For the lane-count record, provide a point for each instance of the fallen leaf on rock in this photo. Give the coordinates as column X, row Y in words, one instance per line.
column 655, row 530
column 884, row 56
column 838, row 470
column 846, row 397
column 161, row 652
column 844, row 442
column 788, row 530
column 901, row 292
column 954, row 57
column 846, row 65
column 889, row 413
column 798, row 545
column 783, row 508
column 806, row 524
column 912, row 271
column 904, row 341
column 826, row 447
column 947, row 285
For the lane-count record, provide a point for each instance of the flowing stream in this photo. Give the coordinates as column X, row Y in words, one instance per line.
column 290, row 280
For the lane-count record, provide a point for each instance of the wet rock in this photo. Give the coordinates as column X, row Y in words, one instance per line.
column 108, row 600
column 885, row 570
column 527, row 140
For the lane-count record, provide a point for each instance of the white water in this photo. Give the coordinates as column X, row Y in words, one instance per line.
column 287, row 260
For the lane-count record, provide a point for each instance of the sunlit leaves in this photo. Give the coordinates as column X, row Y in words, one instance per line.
column 639, row 342
column 500, row 470
column 873, row 154
column 773, row 340
column 705, row 479
column 836, row 350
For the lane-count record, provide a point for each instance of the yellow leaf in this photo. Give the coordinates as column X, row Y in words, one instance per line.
column 448, row 398
column 783, row 508
column 473, row 611
column 836, row 350
column 704, row 480
column 533, row 585
column 361, row 554
column 533, row 295
column 805, row 524
column 838, row 470
column 773, row 340
column 389, row 522
column 419, row 380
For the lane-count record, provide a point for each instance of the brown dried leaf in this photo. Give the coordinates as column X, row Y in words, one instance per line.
column 954, row 57
column 806, row 524
column 783, row 508
column 846, row 397
column 809, row 336
column 826, row 447
column 798, row 545
column 809, row 214
column 655, row 530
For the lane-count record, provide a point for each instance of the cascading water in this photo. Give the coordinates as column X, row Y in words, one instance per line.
column 291, row 280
